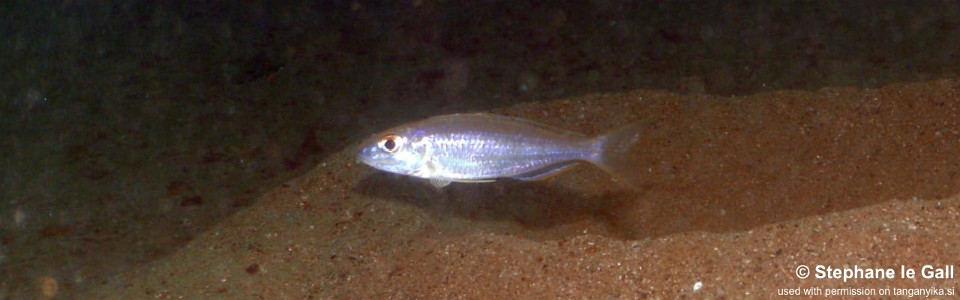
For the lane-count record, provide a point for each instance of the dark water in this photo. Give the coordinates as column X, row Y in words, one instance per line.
column 128, row 127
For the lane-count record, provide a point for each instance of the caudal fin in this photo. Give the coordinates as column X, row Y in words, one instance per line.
column 613, row 153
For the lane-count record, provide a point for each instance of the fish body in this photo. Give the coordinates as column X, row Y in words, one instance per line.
column 481, row 147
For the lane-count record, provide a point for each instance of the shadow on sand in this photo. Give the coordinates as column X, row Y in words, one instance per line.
column 548, row 210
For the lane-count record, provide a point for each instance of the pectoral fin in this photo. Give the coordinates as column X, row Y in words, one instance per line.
column 547, row 172
column 439, row 183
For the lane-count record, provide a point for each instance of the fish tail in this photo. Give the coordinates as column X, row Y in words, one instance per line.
column 612, row 153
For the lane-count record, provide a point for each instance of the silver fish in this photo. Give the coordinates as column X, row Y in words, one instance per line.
column 482, row 147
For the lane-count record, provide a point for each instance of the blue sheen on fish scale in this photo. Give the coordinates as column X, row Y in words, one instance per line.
column 483, row 154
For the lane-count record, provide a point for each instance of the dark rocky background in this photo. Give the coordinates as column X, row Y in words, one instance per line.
column 128, row 127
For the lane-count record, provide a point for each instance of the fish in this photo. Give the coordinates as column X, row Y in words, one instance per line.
column 482, row 147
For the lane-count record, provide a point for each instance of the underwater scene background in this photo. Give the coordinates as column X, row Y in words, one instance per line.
column 135, row 135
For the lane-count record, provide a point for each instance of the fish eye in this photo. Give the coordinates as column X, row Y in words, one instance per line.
column 390, row 143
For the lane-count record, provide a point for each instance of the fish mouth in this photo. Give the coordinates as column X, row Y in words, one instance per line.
column 368, row 155
column 363, row 156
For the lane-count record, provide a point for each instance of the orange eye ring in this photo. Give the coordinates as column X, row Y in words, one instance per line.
column 390, row 143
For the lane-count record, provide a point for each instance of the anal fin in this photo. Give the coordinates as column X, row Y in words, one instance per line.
column 547, row 172
column 439, row 183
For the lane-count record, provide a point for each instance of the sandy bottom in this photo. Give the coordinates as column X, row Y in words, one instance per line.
column 740, row 194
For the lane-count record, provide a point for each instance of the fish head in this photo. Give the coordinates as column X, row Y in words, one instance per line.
column 398, row 150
